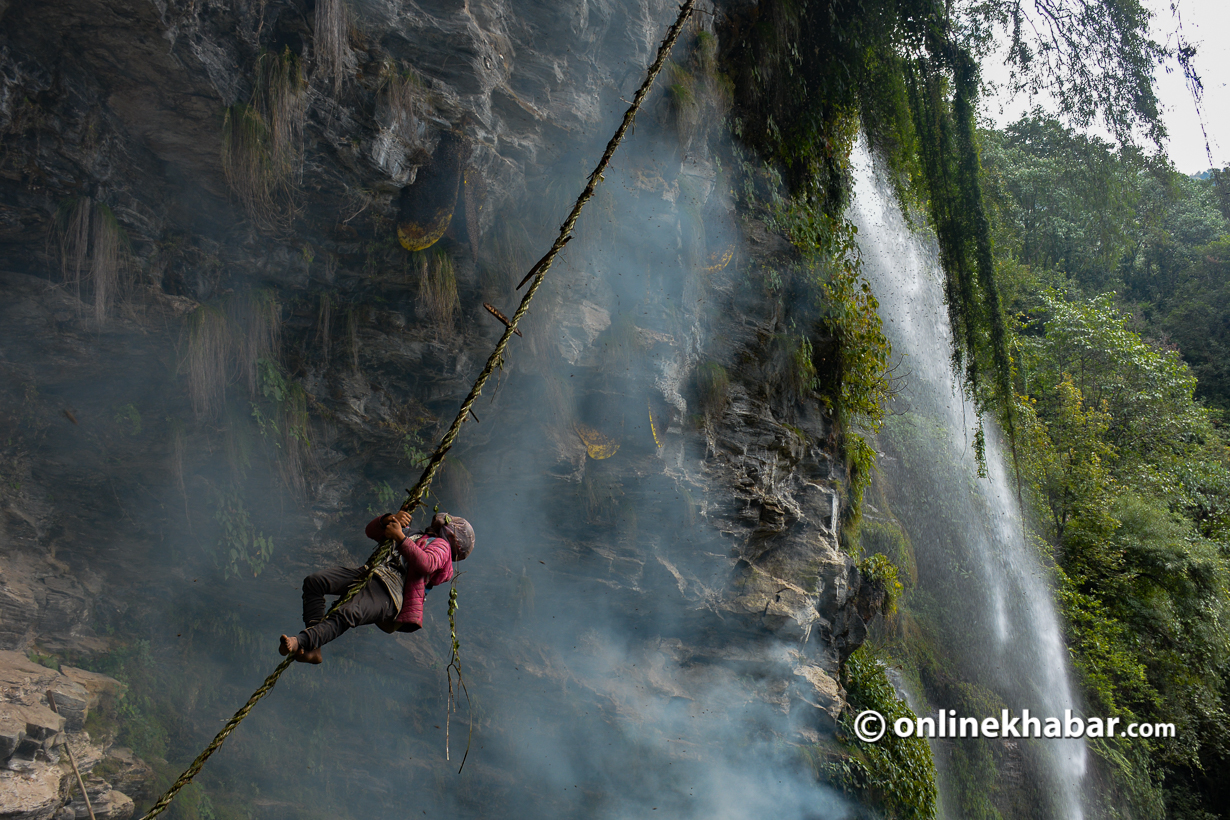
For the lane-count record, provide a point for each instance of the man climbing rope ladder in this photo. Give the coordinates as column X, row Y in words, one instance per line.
column 420, row 562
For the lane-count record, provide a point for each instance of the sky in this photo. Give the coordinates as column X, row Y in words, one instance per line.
column 1206, row 24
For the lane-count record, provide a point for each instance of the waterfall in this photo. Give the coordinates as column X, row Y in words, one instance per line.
column 1010, row 641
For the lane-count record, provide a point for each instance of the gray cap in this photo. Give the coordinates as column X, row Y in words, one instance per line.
column 458, row 532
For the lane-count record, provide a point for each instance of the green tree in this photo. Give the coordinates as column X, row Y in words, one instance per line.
column 1065, row 201
column 1065, row 456
column 1198, row 320
column 1147, row 392
column 1075, row 213
column 1134, row 479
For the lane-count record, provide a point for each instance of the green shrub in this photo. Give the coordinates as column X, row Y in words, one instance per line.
column 240, row 546
column 878, row 571
column 48, row 661
column 896, row 774
column 889, row 538
column 860, row 461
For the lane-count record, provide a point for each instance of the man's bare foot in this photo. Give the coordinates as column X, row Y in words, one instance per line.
column 290, row 646
column 309, row 656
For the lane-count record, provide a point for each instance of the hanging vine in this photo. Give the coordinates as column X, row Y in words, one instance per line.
column 454, row 668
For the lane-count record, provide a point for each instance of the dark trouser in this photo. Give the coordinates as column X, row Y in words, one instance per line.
column 371, row 605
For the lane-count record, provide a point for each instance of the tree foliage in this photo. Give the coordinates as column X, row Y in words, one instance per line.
column 1146, row 393
column 1072, row 212
column 1111, row 262
column 1131, row 475
column 1194, row 317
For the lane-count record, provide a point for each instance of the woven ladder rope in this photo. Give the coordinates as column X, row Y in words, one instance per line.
column 415, row 495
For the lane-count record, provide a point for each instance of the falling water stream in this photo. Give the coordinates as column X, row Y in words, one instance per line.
column 1011, row 640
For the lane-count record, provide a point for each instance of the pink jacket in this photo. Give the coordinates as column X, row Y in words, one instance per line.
column 428, row 560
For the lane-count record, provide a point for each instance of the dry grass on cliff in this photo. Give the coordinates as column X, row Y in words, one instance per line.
column 223, row 343
column 597, row 228
column 108, row 268
column 205, row 359
column 456, row 483
column 684, row 103
column 700, row 96
column 262, row 142
column 246, row 163
column 334, row 59
column 239, row 442
column 257, row 320
column 506, row 254
column 600, row 494
column 437, row 297
column 93, row 253
column 557, row 403
column 281, row 99
column 236, row 341
column 324, row 325
column 712, row 389
column 504, row 258
column 352, row 336
column 178, row 451
column 619, row 345
column 294, row 446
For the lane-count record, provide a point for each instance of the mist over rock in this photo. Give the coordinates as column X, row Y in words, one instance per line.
column 656, row 621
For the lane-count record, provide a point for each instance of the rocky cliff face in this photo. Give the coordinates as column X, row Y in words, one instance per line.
column 42, row 712
column 247, row 247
